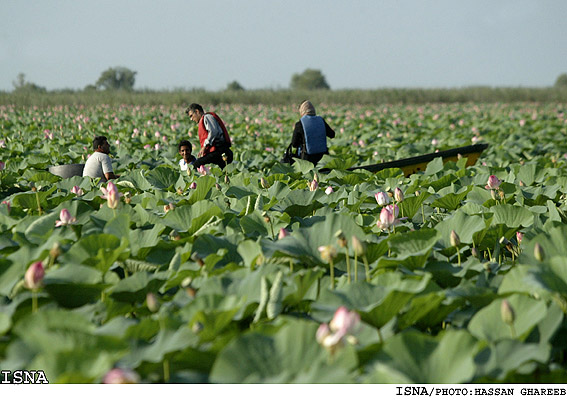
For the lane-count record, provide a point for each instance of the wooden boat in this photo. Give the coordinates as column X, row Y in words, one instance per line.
column 416, row 164
column 67, row 170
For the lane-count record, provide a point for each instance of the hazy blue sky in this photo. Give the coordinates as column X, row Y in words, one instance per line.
column 261, row 43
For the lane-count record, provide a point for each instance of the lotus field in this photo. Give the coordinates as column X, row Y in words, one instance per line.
column 269, row 273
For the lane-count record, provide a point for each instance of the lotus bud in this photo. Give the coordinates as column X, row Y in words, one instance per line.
column 341, row 239
column 519, row 237
column 189, row 171
column 263, row 183
column 327, row 252
column 121, row 376
column 493, row 182
column 329, row 190
column 111, row 195
column 168, row 207
column 152, row 302
column 266, row 217
column 507, row 312
column 382, row 198
column 218, row 186
column 65, row 218
column 455, row 240
column 186, row 282
column 474, row 252
column 226, row 180
column 77, row 190
column 344, row 320
column 398, row 195
column 521, row 183
column 538, row 252
column 313, row 185
column 8, row 205
column 55, row 251
column 193, row 185
column 283, row 233
column 33, row 279
column 417, row 193
column 315, row 177
column 224, row 157
column 179, row 191
column 358, row 246
column 501, row 194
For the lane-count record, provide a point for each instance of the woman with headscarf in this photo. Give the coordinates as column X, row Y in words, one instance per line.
column 310, row 134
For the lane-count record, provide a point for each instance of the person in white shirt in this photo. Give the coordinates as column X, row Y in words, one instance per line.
column 185, row 148
column 99, row 164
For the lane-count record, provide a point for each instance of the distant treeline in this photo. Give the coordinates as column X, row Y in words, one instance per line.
column 285, row 97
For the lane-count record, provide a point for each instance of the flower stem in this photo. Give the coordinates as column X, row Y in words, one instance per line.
column 291, row 266
column 34, row 301
column 332, row 273
column 347, row 265
column 355, row 267
column 366, row 268
column 38, row 203
column 166, row 370
column 458, row 255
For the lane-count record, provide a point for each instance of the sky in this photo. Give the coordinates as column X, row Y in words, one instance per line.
column 184, row 44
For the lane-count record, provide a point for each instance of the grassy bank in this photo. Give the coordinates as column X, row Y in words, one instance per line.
column 284, row 97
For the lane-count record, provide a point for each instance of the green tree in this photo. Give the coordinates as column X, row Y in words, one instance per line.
column 310, row 79
column 117, row 78
column 234, row 86
column 561, row 81
column 20, row 85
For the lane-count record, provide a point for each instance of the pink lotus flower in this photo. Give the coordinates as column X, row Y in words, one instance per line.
column 168, row 207
column 519, row 237
column 434, row 142
column 147, row 146
column 493, row 182
column 157, row 146
column 382, row 198
column 203, row 170
column 398, row 195
column 2, row 143
column 329, row 190
column 193, row 185
column 394, row 209
column 33, row 278
column 111, row 194
column 283, row 233
column 77, row 190
column 341, row 327
column 121, row 376
column 65, row 218
column 387, row 219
